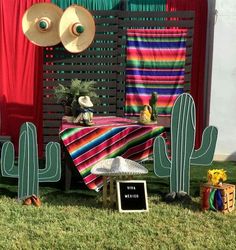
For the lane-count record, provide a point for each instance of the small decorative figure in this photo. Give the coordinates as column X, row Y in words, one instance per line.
column 85, row 116
column 145, row 115
column 216, row 176
column 153, row 104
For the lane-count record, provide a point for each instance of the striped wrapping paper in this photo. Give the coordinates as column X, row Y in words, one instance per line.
column 155, row 62
column 110, row 137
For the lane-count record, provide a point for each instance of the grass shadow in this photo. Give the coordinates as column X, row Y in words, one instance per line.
column 86, row 198
column 7, row 192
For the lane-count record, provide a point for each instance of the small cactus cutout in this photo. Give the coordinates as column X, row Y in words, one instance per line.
column 27, row 171
column 183, row 124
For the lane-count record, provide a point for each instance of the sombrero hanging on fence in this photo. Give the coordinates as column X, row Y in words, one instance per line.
column 76, row 29
column 40, row 24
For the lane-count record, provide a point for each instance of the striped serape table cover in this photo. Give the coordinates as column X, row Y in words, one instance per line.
column 108, row 138
column 155, row 62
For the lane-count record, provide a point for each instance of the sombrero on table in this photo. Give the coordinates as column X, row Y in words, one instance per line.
column 76, row 29
column 118, row 166
column 85, row 101
column 40, row 24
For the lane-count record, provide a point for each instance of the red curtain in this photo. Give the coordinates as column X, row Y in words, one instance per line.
column 199, row 51
column 21, row 73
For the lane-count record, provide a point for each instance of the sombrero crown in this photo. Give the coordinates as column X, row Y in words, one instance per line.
column 40, row 24
column 76, row 29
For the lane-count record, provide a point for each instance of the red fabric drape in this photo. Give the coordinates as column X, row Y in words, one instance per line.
column 21, row 65
column 199, row 50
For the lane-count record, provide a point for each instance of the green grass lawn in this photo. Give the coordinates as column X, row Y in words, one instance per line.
column 76, row 220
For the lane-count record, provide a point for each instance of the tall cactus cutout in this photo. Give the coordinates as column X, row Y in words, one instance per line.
column 28, row 173
column 183, row 122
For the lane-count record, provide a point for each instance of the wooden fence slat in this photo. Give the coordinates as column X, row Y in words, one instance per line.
column 153, row 14
column 105, row 20
column 101, row 92
column 84, row 67
column 79, row 75
column 52, row 100
column 112, row 28
column 157, row 23
column 51, row 123
column 50, row 131
column 51, row 116
column 99, row 84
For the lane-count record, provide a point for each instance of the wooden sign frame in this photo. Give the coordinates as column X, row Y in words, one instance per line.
column 132, row 196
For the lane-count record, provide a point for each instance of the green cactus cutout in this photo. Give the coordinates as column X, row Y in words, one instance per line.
column 183, row 122
column 28, row 173
column 153, row 104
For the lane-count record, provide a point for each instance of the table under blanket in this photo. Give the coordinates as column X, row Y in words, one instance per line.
column 108, row 138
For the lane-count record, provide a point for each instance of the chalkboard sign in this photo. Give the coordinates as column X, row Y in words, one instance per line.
column 132, row 196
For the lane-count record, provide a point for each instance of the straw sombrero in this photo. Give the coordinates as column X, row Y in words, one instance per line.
column 40, row 24
column 118, row 166
column 76, row 29
column 85, row 101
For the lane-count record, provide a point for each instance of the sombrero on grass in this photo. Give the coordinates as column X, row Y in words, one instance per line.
column 40, row 24
column 76, row 29
column 118, row 166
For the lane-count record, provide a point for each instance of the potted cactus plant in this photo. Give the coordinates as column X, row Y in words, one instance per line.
column 68, row 96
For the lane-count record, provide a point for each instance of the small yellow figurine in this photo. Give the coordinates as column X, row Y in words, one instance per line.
column 145, row 115
column 216, row 176
column 85, row 116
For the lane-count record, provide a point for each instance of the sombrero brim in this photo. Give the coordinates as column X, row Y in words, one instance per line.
column 29, row 24
column 87, row 103
column 71, row 15
column 104, row 168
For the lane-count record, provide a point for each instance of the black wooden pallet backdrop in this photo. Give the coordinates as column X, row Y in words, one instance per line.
column 104, row 62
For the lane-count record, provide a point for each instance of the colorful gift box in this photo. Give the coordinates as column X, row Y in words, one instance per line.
column 217, row 198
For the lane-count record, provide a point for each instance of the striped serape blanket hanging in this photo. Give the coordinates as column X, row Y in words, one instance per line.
column 155, row 63
column 108, row 138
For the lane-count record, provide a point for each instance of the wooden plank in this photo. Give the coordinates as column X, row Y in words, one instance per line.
column 187, row 87
column 92, row 59
column 155, row 14
column 120, row 113
column 80, row 75
column 64, row 56
column 157, row 23
column 105, row 13
column 187, row 77
column 53, row 100
column 100, row 92
column 108, row 84
column 120, row 95
column 48, row 138
column 106, row 45
column 51, row 123
column 188, row 68
column 188, row 60
column 96, row 67
column 54, row 116
column 105, row 28
column 106, row 20
column 107, row 37
column 121, row 103
column 123, row 41
column 53, row 108
column 122, row 33
column 108, row 109
column 51, row 131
